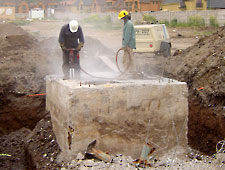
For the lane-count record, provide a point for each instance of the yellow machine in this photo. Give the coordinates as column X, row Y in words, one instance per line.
column 153, row 38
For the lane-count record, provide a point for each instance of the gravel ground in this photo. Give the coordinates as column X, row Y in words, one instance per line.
column 174, row 160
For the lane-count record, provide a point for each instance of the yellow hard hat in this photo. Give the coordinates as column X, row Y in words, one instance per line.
column 122, row 14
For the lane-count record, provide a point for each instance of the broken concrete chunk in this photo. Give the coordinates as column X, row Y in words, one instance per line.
column 80, row 156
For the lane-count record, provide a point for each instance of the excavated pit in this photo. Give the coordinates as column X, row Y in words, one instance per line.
column 116, row 114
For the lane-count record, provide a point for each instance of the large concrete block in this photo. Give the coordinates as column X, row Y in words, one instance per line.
column 117, row 114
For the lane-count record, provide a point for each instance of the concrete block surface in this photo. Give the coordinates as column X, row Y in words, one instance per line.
column 117, row 114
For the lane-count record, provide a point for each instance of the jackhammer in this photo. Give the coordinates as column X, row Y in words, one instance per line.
column 74, row 64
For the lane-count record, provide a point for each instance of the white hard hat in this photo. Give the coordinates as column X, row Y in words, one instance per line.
column 73, row 25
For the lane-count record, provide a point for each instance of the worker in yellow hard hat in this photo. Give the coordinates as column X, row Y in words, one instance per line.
column 128, row 41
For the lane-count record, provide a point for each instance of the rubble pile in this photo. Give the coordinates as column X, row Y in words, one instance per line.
column 42, row 152
column 41, row 147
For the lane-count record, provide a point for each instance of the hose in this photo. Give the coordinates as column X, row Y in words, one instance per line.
column 129, row 61
column 122, row 72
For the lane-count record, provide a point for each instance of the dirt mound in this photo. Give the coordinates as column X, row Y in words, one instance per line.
column 18, row 42
column 22, row 72
column 10, row 29
column 202, row 66
column 41, row 147
column 13, row 146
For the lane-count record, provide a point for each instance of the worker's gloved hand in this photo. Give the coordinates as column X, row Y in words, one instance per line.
column 63, row 47
column 80, row 45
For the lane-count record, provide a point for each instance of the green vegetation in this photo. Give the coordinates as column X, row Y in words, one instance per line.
column 149, row 19
column 101, row 22
column 213, row 22
column 173, row 23
column 193, row 21
column 166, row 22
column 19, row 22
column 31, row 1
column 138, row 22
column 98, row 19
column 104, row 22
column 203, row 33
column 196, row 21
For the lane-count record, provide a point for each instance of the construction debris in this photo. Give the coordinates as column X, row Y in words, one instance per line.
column 199, row 65
column 98, row 153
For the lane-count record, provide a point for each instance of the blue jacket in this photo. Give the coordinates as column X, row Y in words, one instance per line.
column 129, row 35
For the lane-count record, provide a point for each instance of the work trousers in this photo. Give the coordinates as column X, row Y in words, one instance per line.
column 71, row 60
column 129, row 60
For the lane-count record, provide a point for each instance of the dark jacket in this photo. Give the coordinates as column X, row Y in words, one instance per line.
column 69, row 39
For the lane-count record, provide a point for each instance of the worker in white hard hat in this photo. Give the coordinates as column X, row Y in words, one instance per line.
column 71, row 40
column 128, row 41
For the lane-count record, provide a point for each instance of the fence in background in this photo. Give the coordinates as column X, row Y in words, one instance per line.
column 181, row 16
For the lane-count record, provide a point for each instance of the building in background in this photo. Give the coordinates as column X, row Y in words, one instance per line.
column 132, row 5
column 45, row 4
column 83, row 6
column 146, row 5
column 216, row 4
column 23, row 6
column 95, row 6
column 67, row 5
column 98, row 6
column 181, row 5
column 7, row 13
column 19, row 5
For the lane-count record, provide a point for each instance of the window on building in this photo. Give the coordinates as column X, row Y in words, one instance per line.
column 199, row 4
column 182, row 4
column 109, row 4
column 136, row 6
column 136, row 3
column 130, row 6
column 24, row 9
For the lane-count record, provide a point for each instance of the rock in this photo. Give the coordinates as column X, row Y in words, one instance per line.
column 80, row 156
column 89, row 163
